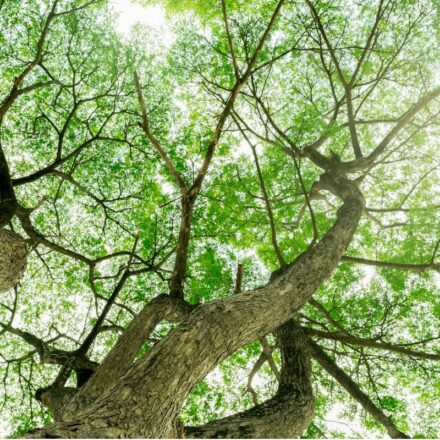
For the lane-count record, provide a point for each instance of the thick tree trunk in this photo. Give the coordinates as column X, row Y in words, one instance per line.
column 146, row 400
column 8, row 201
column 122, row 355
column 124, row 352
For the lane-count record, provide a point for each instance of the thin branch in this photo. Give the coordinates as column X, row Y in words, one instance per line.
column 354, row 390
column 230, row 42
column 268, row 205
column 146, row 127
column 95, row 330
column 371, row 343
column 391, row 265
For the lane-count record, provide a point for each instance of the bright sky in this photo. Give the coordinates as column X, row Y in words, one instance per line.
column 130, row 14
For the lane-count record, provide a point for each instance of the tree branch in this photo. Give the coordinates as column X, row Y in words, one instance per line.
column 146, row 127
column 371, row 343
column 267, row 202
column 391, row 265
column 353, row 389
column 230, row 43
column 88, row 341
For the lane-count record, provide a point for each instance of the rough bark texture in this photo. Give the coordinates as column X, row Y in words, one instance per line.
column 124, row 352
column 146, row 400
column 13, row 259
column 288, row 413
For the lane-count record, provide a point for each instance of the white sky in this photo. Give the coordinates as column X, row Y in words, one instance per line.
column 130, row 14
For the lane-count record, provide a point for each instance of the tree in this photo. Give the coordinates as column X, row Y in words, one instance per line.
column 256, row 191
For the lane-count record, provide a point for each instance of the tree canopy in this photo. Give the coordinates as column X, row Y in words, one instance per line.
column 231, row 220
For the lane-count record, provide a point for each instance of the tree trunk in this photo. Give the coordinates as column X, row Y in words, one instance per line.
column 124, row 352
column 146, row 400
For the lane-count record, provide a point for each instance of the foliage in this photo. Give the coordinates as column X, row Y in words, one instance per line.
column 98, row 190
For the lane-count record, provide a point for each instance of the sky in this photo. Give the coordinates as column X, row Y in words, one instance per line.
column 130, row 14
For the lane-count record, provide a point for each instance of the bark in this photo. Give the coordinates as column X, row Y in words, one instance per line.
column 124, row 352
column 178, row 279
column 288, row 413
column 63, row 401
column 55, row 399
column 146, row 400
column 13, row 259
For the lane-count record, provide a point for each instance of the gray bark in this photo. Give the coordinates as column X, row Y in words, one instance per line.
column 13, row 259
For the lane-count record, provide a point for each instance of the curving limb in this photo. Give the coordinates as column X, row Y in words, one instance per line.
column 212, row 332
column 288, row 413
